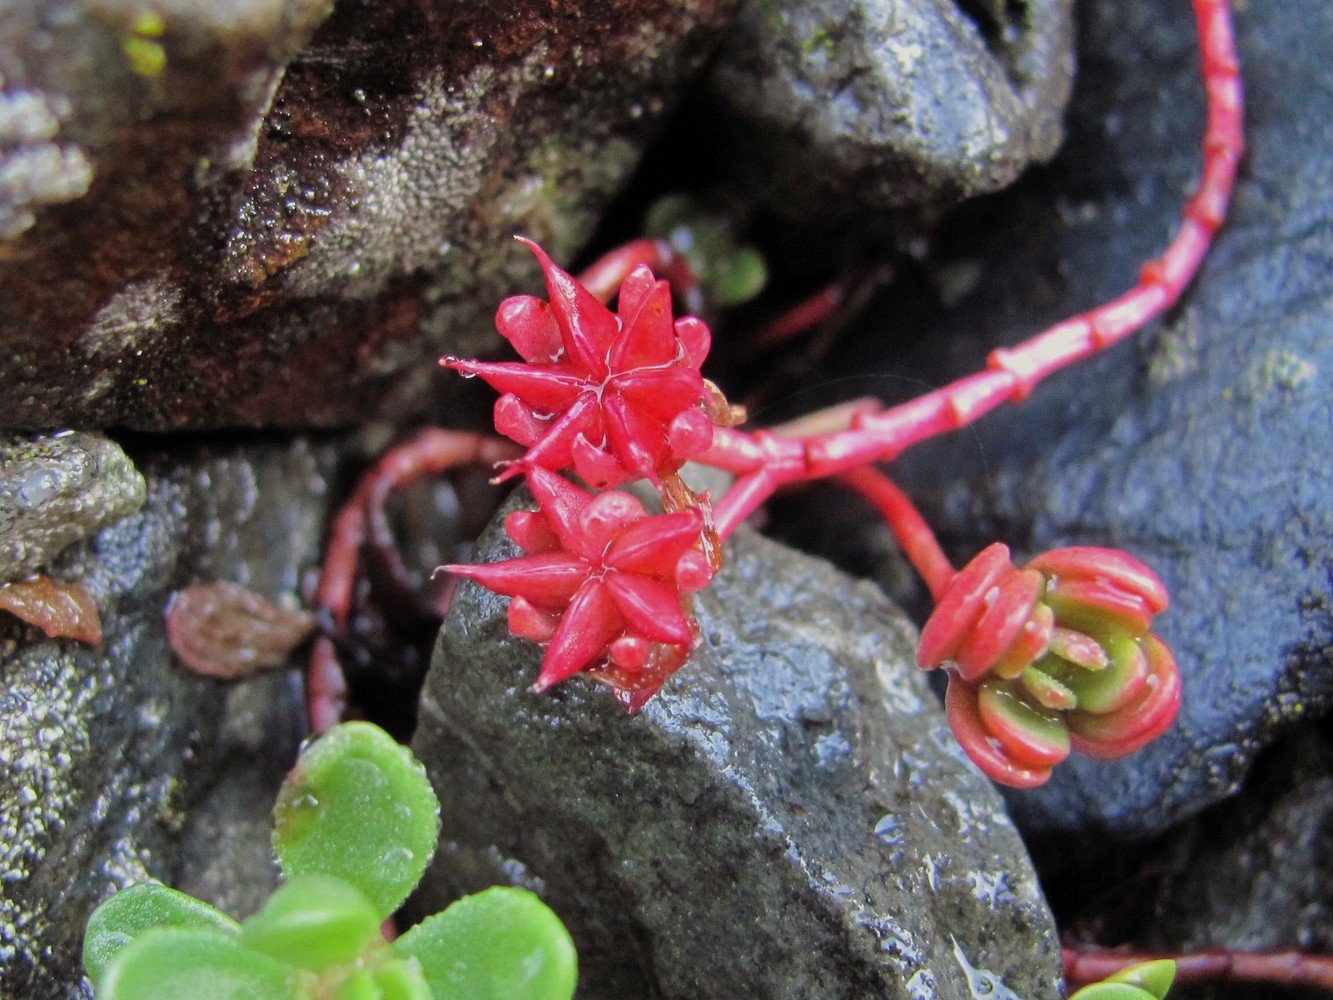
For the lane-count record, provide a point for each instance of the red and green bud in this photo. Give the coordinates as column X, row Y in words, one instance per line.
column 1052, row 658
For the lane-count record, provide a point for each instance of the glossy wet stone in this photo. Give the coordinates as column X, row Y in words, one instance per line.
column 56, row 489
column 1201, row 446
column 850, row 106
column 788, row 818
column 115, row 764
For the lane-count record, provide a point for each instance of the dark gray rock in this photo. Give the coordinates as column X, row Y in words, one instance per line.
column 56, row 489
column 113, row 756
column 287, row 225
column 788, row 818
column 1200, row 447
column 852, row 106
column 1275, row 844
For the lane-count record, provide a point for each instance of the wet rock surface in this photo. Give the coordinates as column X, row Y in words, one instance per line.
column 287, row 226
column 114, row 757
column 1201, row 446
column 774, row 824
column 56, row 489
column 849, row 106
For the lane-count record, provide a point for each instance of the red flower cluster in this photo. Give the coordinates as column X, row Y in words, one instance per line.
column 1052, row 657
column 601, row 585
column 614, row 396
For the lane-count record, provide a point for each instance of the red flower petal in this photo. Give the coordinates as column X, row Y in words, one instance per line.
column 660, row 393
column 527, row 621
column 542, row 387
column 596, row 466
column 649, row 607
column 638, row 284
column 531, row 532
column 514, row 419
column 1030, row 643
column 695, row 339
column 561, row 501
column 690, row 434
column 648, row 338
column 549, row 579
column 528, row 323
column 630, row 652
column 587, row 328
column 636, row 441
column 655, row 545
column 604, row 518
column 693, row 571
column 553, row 450
column 589, row 623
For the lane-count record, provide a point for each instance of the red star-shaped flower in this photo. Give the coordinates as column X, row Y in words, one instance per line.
column 601, row 585
column 615, row 396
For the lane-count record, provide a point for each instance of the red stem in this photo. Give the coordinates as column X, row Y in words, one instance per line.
column 429, row 452
column 603, row 276
column 1012, row 373
column 918, row 542
column 1279, row 968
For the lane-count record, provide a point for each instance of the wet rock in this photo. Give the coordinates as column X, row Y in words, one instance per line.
column 286, row 225
column 1199, row 446
column 788, row 818
column 1275, row 844
column 849, row 106
column 56, row 489
column 113, row 756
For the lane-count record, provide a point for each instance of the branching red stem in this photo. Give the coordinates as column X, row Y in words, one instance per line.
column 767, row 463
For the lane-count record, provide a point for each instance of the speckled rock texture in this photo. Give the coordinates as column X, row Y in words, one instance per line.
column 845, row 107
column 264, row 213
column 116, row 764
column 1202, row 445
column 788, row 818
column 56, row 489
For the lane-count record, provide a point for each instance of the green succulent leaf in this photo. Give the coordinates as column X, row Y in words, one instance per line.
column 1112, row 991
column 738, row 277
column 358, row 807
column 131, row 912
column 195, row 963
column 500, row 944
column 312, row 922
column 1145, row 981
column 402, row 980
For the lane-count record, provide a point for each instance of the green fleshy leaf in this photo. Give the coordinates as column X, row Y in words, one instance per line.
column 402, row 980
column 738, row 277
column 501, row 944
column 1103, row 691
column 193, row 964
column 312, row 922
column 358, row 807
column 359, row 985
column 1112, row 991
column 1156, row 976
column 131, row 912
